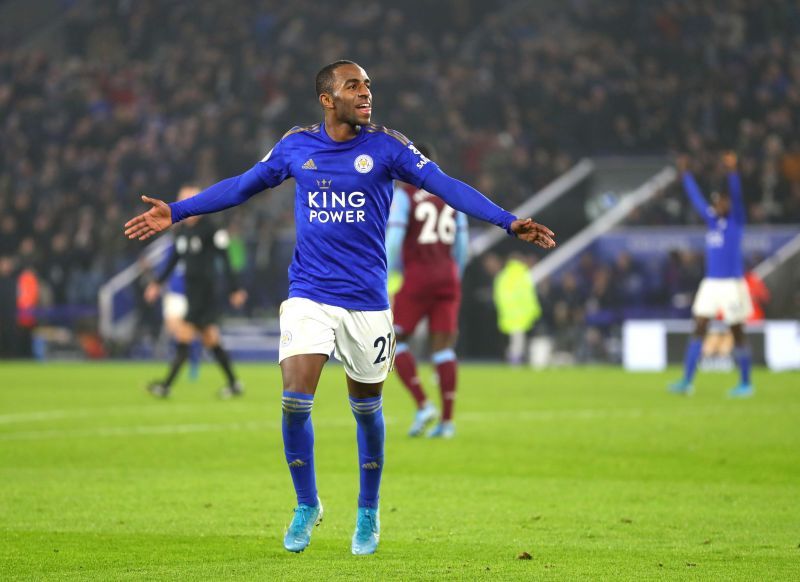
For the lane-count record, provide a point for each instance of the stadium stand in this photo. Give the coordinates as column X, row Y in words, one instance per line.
column 130, row 97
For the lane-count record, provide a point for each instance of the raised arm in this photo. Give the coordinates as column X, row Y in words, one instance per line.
column 738, row 211
column 692, row 190
column 467, row 199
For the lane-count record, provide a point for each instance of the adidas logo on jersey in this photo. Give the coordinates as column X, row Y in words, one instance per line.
column 310, row 165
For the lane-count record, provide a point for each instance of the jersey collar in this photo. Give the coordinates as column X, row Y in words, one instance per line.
column 357, row 139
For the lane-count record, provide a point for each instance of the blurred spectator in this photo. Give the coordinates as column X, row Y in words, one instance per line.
column 143, row 96
column 517, row 305
column 759, row 295
column 9, row 347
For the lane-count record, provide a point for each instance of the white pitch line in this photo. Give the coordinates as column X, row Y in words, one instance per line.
column 345, row 421
column 115, row 431
column 158, row 429
column 43, row 415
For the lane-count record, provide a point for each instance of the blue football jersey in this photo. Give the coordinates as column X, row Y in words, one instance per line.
column 724, row 259
column 342, row 200
column 724, row 248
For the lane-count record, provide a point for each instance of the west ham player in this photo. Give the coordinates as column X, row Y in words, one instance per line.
column 344, row 168
column 723, row 290
column 199, row 245
column 428, row 241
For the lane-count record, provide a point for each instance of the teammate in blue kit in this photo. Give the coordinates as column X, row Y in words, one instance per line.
column 344, row 169
column 723, row 291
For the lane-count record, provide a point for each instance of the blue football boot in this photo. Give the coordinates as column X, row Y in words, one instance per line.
column 298, row 536
column 422, row 418
column 742, row 391
column 443, row 430
column 368, row 531
column 682, row 386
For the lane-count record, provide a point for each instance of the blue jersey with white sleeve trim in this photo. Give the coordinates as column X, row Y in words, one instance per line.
column 724, row 258
column 342, row 199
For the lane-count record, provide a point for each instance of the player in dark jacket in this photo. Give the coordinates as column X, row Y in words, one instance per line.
column 201, row 246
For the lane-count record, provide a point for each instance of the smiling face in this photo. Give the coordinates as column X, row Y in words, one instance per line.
column 350, row 98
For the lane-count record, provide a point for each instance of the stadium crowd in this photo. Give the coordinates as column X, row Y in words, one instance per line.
column 145, row 96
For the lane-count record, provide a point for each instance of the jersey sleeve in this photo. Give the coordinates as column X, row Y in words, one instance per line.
column 267, row 173
column 696, row 198
column 274, row 168
column 467, row 199
column 409, row 165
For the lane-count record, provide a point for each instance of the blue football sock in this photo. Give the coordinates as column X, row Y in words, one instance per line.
column 742, row 357
column 298, row 444
column 195, row 353
column 370, row 434
column 693, row 352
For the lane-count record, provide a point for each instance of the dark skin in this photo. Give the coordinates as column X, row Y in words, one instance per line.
column 346, row 108
column 722, row 207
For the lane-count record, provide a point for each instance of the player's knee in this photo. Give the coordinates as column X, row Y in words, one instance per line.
column 701, row 328
column 443, row 341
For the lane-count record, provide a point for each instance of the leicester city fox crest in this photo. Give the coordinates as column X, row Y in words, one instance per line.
column 363, row 164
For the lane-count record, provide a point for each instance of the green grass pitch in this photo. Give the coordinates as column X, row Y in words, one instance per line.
column 596, row 473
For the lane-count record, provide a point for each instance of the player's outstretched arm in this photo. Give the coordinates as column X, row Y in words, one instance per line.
column 155, row 220
column 467, row 199
column 225, row 194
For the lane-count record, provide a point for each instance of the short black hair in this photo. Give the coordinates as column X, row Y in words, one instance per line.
column 324, row 82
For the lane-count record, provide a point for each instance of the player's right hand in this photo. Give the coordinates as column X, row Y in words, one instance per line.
column 152, row 291
column 155, row 220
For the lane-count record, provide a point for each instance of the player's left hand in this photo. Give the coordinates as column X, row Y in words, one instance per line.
column 530, row 231
column 238, row 298
column 155, row 220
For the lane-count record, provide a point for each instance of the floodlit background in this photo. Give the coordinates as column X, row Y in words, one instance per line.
column 103, row 101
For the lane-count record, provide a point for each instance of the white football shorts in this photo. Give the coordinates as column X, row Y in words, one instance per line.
column 174, row 306
column 727, row 297
column 362, row 340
